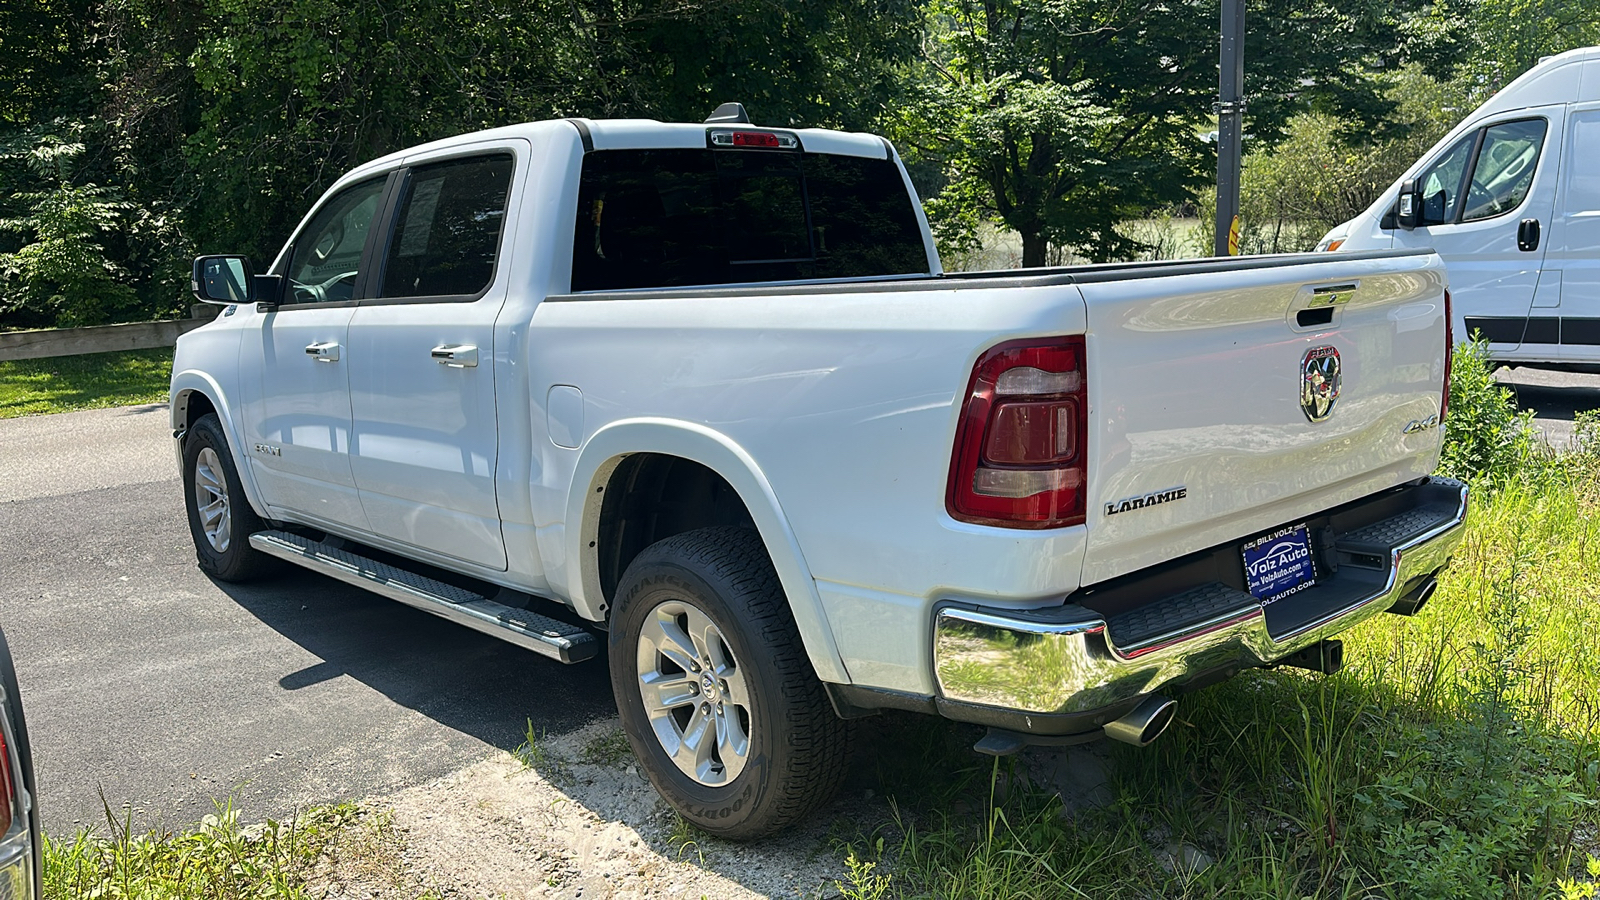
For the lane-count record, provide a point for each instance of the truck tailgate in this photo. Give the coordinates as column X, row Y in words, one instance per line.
column 1198, row 432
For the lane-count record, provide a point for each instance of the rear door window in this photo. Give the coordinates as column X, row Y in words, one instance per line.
column 673, row 218
column 447, row 235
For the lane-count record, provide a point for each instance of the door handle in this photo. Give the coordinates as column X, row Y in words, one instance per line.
column 1528, row 235
column 456, row 356
column 325, row 351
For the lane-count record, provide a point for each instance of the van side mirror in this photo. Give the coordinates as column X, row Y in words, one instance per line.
column 222, row 280
column 1408, row 207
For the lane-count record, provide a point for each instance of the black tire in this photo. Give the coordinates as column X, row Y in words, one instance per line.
column 797, row 746
column 236, row 560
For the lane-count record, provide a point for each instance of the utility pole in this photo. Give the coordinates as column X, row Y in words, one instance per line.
column 1230, row 121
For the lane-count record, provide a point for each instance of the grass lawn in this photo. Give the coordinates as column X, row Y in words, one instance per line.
column 30, row 387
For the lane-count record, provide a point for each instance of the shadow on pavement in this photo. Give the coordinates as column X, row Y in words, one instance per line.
column 464, row 680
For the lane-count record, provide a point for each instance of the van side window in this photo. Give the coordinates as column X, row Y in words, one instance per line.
column 1441, row 184
column 1504, row 168
column 448, row 233
column 327, row 253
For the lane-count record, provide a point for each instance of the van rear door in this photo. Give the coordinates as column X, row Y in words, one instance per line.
column 1475, row 197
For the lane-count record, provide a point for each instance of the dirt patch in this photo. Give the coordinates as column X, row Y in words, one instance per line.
column 572, row 817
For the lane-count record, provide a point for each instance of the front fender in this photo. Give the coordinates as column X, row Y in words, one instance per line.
column 610, row 445
column 193, row 381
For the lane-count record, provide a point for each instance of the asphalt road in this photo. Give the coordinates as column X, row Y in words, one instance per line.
column 1555, row 397
column 148, row 683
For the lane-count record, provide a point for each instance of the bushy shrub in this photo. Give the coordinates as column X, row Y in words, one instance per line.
column 1485, row 438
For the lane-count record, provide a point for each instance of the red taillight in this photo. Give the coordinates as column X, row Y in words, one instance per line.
column 754, row 139
column 8, row 792
column 1020, row 447
column 1449, row 357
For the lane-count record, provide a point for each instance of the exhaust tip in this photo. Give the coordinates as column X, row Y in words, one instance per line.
column 1146, row 723
column 1417, row 597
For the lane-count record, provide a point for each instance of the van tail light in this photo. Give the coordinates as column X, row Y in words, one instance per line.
column 1019, row 459
column 1449, row 357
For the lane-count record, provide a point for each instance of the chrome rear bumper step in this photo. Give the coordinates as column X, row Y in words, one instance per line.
column 543, row 635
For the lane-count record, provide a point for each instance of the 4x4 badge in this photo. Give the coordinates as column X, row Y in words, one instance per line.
column 1321, row 376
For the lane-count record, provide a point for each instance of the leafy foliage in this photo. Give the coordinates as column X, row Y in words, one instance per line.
column 1485, row 438
column 1063, row 119
column 61, row 271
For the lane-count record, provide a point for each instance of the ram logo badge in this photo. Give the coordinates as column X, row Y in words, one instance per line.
column 1152, row 499
column 269, row 450
column 1321, row 377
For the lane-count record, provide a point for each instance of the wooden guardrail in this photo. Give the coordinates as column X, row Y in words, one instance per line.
column 94, row 339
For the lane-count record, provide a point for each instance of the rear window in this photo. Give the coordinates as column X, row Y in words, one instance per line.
column 672, row 218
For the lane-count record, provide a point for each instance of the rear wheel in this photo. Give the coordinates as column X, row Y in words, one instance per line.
column 714, row 688
column 220, row 518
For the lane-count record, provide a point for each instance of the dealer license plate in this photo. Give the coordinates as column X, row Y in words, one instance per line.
column 1279, row 564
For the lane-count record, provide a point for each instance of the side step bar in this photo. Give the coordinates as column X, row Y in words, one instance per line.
column 541, row 634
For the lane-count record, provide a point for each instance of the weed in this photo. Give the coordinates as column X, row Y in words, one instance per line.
column 533, row 752
column 864, row 883
column 684, row 839
column 610, row 750
column 219, row 858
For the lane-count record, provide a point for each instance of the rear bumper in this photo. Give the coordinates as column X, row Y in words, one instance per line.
column 1072, row 668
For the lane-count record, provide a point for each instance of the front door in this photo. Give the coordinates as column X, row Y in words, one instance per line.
column 424, row 446
column 1475, row 197
column 297, row 427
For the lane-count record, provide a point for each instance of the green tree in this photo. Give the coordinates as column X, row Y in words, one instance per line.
column 1061, row 118
column 60, row 274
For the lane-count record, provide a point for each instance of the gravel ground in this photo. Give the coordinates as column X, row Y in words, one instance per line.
column 575, row 818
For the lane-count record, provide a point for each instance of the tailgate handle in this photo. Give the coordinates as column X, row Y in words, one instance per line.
column 1313, row 317
column 1331, row 295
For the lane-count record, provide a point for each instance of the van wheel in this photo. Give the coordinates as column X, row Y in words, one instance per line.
column 220, row 518
column 714, row 689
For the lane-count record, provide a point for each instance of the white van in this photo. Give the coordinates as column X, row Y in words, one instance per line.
column 1511, row 199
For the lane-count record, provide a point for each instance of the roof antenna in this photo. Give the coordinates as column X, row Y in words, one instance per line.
column 728, row 113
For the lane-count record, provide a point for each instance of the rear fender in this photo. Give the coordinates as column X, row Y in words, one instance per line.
column 613, row 443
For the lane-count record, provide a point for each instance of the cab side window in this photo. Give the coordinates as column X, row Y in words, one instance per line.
column 327, row 254
column 1504, row 168
column 447, row 236
column 1441, row 184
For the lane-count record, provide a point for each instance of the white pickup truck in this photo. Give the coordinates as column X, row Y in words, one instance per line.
column 704, row 388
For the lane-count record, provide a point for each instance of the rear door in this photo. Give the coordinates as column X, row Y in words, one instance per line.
column 422, row 390
column 1475, row 197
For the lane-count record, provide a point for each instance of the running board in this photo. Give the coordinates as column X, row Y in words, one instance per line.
column 541, row 634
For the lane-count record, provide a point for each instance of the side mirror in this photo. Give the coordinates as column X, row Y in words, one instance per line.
column 222, row 280
column 1408, row 207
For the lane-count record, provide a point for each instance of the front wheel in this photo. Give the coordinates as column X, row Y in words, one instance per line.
column 714, row 688
column 220, row 518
